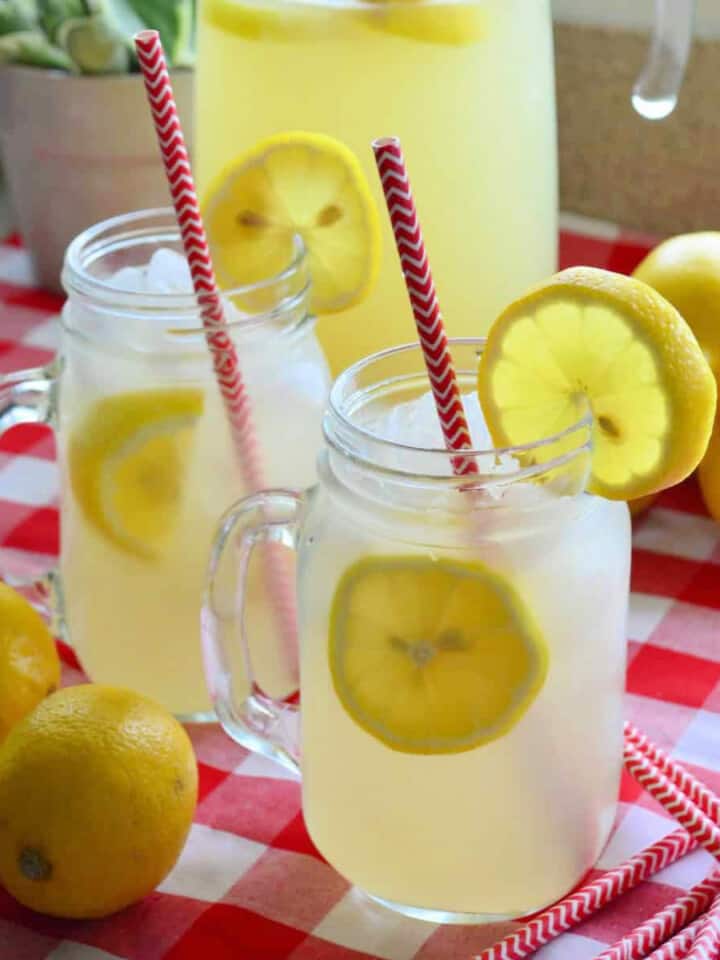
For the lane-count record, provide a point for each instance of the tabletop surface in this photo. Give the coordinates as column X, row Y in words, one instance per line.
column 249, row 884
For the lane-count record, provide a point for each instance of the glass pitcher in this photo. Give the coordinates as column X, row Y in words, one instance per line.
column 467, row 85
column 462, row 653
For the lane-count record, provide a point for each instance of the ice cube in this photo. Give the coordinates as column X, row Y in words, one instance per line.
column 130, row 279
column 168, row 272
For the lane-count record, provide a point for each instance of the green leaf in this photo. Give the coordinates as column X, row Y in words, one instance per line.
column 13, row 17
column 95, row 45
column 164, row 16
column 53, row 13
column 33, row 49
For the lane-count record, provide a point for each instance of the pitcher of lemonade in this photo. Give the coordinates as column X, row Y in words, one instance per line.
column 467, row 85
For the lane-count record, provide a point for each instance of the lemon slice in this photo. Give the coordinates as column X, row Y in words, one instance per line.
column 296, row 183
column 128, row 459
column 447, row 24
column 433, row 656
column 257, row 21
column 589, row 336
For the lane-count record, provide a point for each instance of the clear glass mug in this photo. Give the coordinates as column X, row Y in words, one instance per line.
column 468, row 86
column 145, row 451
column 437, row 815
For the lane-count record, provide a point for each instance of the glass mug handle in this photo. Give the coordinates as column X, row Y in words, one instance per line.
column 29, row 396
column 257, row 721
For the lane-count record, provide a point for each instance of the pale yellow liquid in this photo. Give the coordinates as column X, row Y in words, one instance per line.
column 135, row 621
column 477, row 124
column 506, row 828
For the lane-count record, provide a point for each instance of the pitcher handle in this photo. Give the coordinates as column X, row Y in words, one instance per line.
column 29, row 396
column 656, row 91
column 257, row 721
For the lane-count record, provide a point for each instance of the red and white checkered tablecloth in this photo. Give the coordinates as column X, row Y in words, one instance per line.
column 250, row 885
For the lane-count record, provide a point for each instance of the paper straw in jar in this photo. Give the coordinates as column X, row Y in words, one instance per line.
column 222, row 349
column 678, row 804
column 423, row 300
column 589, row 899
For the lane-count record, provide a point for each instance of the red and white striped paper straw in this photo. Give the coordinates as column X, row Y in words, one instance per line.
column 224, row 356
column 666, row 923
column 423, row 300
column 572, row 910
column 682, row 778
column 661, row 788
column 707, row 942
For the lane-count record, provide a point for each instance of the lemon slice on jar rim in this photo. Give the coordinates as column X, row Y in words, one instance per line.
column 590, row 337
column 292, row 184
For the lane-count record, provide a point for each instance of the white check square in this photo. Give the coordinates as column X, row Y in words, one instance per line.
column 678, row 534
column 700, row 742
column 360, row 924
column 29, row 480
column 645, row 614
column 80, row 951
column 211, row 863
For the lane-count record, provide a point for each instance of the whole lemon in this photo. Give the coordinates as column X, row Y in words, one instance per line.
column 29, row 664
column 686, row 271
column 709, row 474
column 97, row 791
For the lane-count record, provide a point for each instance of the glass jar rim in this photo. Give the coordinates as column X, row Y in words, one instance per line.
column 140, row 226
column 347, row 437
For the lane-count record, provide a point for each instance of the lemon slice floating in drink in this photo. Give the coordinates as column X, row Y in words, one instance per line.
column 433, row 656
column 589, row 337
column 290, row 184
column 127, row 461
column 446, row 24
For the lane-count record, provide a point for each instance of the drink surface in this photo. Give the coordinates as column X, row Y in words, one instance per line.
column 473, row 105
column 132, row 599
column 508, row 826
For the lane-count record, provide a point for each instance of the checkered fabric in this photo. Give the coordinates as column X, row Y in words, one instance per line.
column 250, row 885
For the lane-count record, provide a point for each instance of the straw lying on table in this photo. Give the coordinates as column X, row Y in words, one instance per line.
column 423, row 300
column 681, row 929
column 224, row 356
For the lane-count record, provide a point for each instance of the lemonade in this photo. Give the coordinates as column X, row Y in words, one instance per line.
column 467, row 86
column 147, row 458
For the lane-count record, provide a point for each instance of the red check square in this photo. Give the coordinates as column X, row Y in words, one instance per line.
column 704, row 588
column 664, row 576
column 230, row 933
column 257, row 808
column 39, row 532
column 677, row 677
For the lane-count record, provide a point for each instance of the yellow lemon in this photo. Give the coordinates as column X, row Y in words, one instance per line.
column 29, row 664
column 709, row 475
column 433, row 655
column 593, row 338
column 446, row 24
column 97, row 791
column 686, row 271
column 128, row 459
column 296, row 184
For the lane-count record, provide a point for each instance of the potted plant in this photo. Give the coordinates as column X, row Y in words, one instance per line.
column 76, row 140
